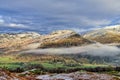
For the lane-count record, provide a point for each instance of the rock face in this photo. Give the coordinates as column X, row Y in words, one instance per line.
column 110, row 34
column 32, row 40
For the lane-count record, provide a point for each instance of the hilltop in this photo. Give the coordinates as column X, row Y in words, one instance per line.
column 31, row 40
column 107, row 35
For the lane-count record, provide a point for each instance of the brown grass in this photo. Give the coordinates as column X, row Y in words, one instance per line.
column 66, row 42
column 108, row 38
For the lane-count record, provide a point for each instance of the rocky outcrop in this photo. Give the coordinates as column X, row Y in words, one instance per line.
column 6, row 75
column 77, row 76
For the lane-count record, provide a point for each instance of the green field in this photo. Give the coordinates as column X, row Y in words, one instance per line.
column 11, row 64
column 43, row 64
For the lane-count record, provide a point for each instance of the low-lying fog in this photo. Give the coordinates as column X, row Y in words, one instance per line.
column 93, row 49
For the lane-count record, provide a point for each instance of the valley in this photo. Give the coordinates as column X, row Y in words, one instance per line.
column 61, row 55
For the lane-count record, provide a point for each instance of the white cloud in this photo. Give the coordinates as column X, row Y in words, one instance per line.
column 17, row 25
column 95, row 22
column 7, row 23
column 93, row 49
column 79, row 30
column 112, row 6
column 1, row 21
column 76, row 13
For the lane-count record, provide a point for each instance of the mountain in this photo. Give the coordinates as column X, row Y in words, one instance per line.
column 14, row 41
column 107, row 35
column 64, row 38
column 30, row 40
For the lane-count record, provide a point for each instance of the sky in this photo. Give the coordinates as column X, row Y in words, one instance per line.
column 45, row 16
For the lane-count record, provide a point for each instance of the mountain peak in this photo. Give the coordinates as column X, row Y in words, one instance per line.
column 109, row 34
column 63, row 33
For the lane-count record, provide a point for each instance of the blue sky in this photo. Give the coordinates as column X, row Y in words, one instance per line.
column 49, row 15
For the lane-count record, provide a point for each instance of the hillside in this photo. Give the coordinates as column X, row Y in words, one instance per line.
column 107, row 35
column 32, row 40
column 56, row 56
column 14, row 41
column 64, row 38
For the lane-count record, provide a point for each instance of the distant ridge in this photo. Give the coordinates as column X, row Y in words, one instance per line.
column 32, row 40
column 109, row 34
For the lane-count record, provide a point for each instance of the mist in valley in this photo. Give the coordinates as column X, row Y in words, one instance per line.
column 93, row 49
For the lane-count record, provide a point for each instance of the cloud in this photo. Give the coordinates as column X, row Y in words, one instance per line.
column 109, row 6
column 1, row 21
column 82, row 31
column 85, row 21
column 62, row 14
column 7, row 23
column 93, row 49
column 17, row 25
